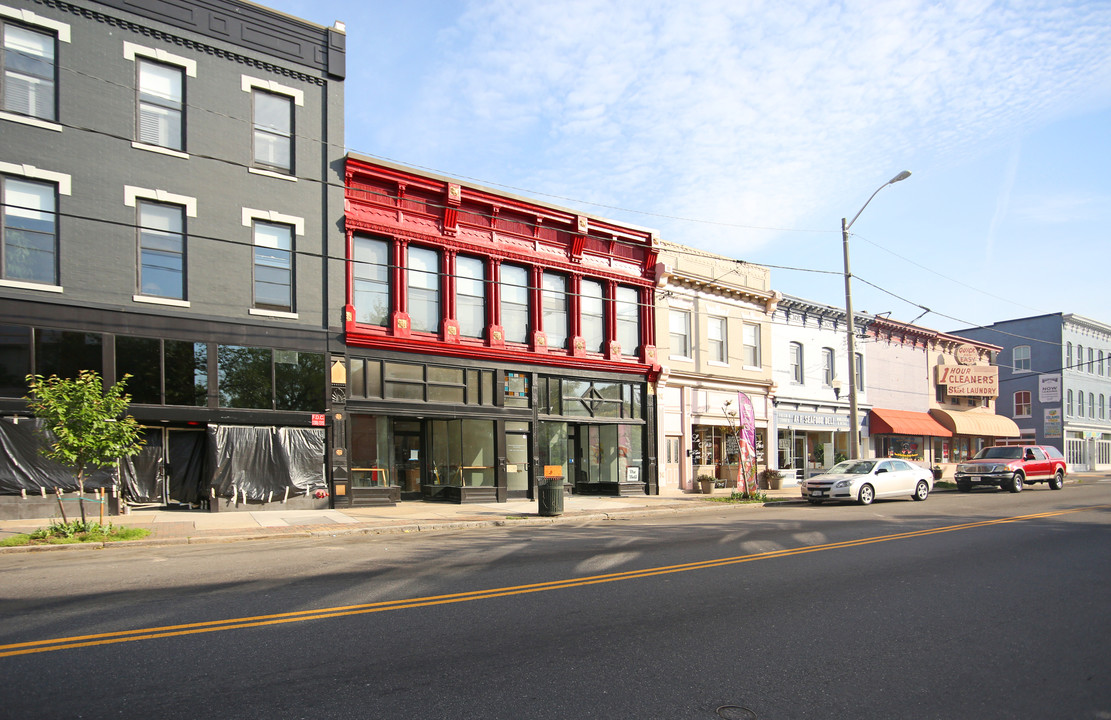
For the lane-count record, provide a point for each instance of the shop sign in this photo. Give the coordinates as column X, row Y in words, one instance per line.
column 317, row 420
column 1052, row 426
column 819, row 421
column 1049, row 389
column 553, row 471
column 969, row 380
column 967, row 354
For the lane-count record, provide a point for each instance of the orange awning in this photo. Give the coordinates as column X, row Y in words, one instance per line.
column 971, row 422
column 905, row 422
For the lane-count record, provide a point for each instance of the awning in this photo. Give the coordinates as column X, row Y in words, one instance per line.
column 976, row 423
column 905, row 422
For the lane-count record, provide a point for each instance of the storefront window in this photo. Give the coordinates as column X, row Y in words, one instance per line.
column 462, row 453
column 65, row 354
column 142, row 359
column 552, row 440
column 245, row 378
column 370, row 452
column 516, row 392
column 15, row 360
column 186, row 373
column 298, row 381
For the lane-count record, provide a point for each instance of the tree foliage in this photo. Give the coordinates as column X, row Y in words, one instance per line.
column 89, row 425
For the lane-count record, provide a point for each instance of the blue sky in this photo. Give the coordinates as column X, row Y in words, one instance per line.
column 750, row 128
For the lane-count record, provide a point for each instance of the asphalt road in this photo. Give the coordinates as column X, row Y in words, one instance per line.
column 986, row 605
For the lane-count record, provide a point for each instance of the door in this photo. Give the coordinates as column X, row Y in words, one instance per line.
column 673, row 447
column 407, row 457
column 185, row 465
column 517, row 476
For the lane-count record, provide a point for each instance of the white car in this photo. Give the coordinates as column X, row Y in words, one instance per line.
column 863, row 481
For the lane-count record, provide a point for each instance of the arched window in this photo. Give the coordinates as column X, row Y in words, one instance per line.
column 1068, row 403
column 1021, row 358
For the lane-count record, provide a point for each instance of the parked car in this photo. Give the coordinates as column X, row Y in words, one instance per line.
column 863, row 481
column 1011, row 467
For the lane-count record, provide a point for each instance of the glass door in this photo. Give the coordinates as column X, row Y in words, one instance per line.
column 407, row 457
column 517, row 458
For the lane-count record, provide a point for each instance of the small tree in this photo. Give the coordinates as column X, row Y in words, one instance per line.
column 89, row 425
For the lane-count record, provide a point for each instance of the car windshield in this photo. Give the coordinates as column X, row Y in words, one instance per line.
column 853, row 467
column 999, row 453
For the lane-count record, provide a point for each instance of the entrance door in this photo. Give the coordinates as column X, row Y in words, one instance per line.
column 673, row 447
column 407, row 456
column 517, row 462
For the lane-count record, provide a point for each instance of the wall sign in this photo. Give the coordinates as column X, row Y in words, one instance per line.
column 969, row 380
column 1049, row 388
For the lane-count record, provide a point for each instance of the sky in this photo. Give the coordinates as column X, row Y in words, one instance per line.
column 750, row 129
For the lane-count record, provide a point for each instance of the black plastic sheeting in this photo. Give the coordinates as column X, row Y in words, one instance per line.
column 23, row 467
column 143, row 476
column 263, row 462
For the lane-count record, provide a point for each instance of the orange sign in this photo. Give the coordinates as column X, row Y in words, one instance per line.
column 553, row 471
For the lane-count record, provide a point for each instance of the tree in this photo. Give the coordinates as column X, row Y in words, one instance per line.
column 89, row 426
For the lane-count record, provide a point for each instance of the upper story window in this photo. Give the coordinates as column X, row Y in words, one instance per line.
column 1100, row 361
column 592, row 314
column 1080, row 404
column 1079, row 358
column 679, row 333
column 30, row 230
column 829, row 369
column 161, row 104
column 423, row 273
column 626, row 302
column 1091, row 405
column 515, row 303
column 751, row 345
column 796, row 362
column 1068, row 355
column 273, row 131
column 555, row 309
column 29, row 72
column 858, row 369
column 161, row 250
column 273, row 266
column 371, row 275
column 1021, row 358
column 1068, row 402
column 470, row 296
column 717, row 329
column 1022, row 403
column 1091, row 360
column 1102, row 406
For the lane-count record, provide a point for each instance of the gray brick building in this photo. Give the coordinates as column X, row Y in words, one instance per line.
column 172, row 186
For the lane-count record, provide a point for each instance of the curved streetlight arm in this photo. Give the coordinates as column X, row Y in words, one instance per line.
column 901, row 176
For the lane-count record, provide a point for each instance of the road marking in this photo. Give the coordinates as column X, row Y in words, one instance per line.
column 83, row 641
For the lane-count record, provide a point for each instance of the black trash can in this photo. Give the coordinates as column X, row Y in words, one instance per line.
column 550, row 496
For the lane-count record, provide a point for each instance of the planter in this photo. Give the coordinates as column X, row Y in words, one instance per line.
column 706, row 486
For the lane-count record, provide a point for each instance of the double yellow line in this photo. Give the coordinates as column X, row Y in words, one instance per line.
column 82, row 641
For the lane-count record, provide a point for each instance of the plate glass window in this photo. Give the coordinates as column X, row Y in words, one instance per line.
column 514, row 303
column 161, row 102
column 161, row 250
column 273, row 131
column 470, row 296
column 30, row 230
column 424, row 289
column 371, row 276
column 273, row 266
column 29, row 72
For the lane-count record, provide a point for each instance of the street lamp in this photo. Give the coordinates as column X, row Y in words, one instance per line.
column 854, row 420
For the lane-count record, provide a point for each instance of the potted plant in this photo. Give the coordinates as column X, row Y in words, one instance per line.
column 937, row 471
column 771, row 479
column 706, row 484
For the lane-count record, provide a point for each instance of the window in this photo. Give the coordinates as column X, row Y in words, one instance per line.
column 858, row 370
column 273, row 131
column 371, row 276
column 1091, row 360
column 423, row 272
column 626, row 302
column 1079, row 358
column 515, row 303
column 679, row 333
column 273, row 266
column 161, row 250
column 555, row 309
column 161, row 102
column 15, row 360
column 716, row 333
column 796, row 362
column 1021, row 358
column 1068, row 405
column 1102, row 407
column 828, row 367
column 591, row 310
column 1022, row 403
column 470, row 296
column 1080, row 404
column 1068, row 355
column 1101, row 357
column 1091, row 405
column 30, row 230
column 750, row 337
column 29, row 72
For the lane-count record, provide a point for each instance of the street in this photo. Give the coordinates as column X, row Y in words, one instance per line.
column 980, row 605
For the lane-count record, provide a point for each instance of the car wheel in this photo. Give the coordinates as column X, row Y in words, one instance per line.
column 867, row 494
column 1016, row 483
column 964, row 487
column 1058, row 481
column 921, row 491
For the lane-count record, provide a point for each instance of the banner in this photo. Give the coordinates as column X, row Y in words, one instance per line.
column 746, row 426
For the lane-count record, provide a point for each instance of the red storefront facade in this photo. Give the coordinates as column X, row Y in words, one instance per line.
column 488, row 338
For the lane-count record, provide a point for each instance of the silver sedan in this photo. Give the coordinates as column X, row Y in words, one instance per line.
column 863, row 481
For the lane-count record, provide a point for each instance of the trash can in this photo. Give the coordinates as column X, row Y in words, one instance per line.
column 550, row 496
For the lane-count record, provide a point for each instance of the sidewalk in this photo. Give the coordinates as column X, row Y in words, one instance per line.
column 171, row 526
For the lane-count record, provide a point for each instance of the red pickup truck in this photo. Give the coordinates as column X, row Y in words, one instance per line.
column 1010, row 467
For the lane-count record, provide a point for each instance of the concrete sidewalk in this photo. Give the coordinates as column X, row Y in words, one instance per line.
column 172, row 526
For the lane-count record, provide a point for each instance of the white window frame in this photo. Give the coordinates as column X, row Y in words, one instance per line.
column 684, row 317
column 62, row 33
column 131, row 196
column 1022, row 402
column 829, row 366
column 134, row 52
column 1020, row 359
column 718, row 347
column 249, row 85
column 248, row 216
column 64, row 184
